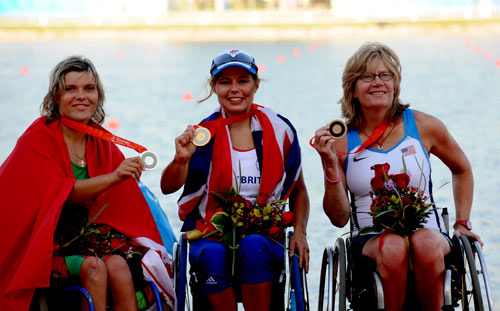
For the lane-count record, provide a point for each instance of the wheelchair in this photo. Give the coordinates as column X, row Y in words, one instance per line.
column 348, row 284
column 190, row 297
column 71, row 297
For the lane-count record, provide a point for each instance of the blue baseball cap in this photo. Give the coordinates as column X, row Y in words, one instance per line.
column 230, row 58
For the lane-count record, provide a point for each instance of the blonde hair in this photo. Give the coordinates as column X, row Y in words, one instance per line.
column 360, row 63
column 49, row 107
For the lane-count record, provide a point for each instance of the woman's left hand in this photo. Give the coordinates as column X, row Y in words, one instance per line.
column 298, row 242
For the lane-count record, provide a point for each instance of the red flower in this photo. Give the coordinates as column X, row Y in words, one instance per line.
column 288, row 218
column 116, row 243
column 276, row 232
column 377, row 183
column 401, row 180
column 103, row 230
column 238, row 199
column 380, row 169
column 407, row 201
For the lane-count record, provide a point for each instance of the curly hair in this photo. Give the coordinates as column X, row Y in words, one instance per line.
column 50, row 106
column 358, row 64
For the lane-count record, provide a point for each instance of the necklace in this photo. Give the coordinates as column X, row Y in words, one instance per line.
column 380, row 144
column 80, row 158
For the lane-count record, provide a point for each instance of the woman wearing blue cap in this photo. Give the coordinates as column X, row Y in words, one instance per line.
column 250, row 148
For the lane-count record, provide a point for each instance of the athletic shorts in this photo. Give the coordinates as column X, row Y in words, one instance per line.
column 260, row 259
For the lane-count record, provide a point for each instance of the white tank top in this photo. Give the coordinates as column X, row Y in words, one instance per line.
column 359, row 174
column 250, row 173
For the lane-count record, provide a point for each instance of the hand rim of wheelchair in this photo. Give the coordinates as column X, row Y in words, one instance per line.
column 471, row 284
column 335, row 259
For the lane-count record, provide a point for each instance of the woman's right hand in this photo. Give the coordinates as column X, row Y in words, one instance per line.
column 184, row 147
column 324, row 145
column 175, row 174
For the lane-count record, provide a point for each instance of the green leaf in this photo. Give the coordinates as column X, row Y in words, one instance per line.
column 218, row 220
column 367, row 229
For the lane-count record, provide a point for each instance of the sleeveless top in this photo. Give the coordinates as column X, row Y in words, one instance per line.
column 359, row 174
column 246, row 163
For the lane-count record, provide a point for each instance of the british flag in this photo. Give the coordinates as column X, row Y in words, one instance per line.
column 406, row 151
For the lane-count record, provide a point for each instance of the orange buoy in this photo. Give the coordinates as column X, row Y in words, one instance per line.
column 25, row 70
column 187, row 97
column 112, row 125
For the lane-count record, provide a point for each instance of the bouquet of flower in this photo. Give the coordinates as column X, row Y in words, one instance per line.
column 396, row 207
column 235, row 212
column 83, row 237
column 237, row 217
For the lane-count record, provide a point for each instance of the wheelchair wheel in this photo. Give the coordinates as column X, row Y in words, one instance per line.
column 485, row 280
column 475, row 292
column 298, row 292
column 335, row 260
column 180, row 272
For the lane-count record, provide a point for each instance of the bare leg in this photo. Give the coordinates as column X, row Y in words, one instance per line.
column 392, row 265
column 429, row 248
column 94, row 279
column 121, row 284
column 223, row 301
column 256, row 297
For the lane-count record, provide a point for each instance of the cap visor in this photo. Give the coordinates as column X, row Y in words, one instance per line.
column 240, row 64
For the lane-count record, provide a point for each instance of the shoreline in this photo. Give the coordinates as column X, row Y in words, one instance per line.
column 264, row 33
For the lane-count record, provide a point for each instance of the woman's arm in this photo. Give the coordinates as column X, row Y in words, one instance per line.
column 299, row 204
column 175, row 174
column 87, row 189
column 335, row 200
column 438, row 141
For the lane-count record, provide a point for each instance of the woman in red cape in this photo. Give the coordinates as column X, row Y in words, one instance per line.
column 54, row 168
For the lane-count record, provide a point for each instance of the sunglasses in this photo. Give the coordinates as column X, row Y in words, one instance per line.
column 233, row 58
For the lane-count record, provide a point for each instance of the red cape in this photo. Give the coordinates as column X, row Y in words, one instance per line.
column 36, row 179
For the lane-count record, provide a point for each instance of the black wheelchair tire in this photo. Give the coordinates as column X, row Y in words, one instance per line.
column 335, row 260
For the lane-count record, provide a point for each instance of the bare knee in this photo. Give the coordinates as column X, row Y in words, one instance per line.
column 429, row 247
column 393, row 251
column 93, row 270
column 117, row 268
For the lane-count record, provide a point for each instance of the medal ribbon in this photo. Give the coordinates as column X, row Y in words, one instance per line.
column 379, row 131
column 213, row 125
column 101, row 134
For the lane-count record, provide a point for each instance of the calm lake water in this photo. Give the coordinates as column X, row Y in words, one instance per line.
column 152, row 88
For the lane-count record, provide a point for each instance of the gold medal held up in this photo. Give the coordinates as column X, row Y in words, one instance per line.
column 202, row 136
column 337, row 128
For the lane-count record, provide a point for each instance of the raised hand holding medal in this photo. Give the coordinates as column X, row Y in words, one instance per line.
column 202, row 136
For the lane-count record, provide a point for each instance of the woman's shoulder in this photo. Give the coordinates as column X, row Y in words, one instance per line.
column 431, row 129
column 38, row 130
column 425, row 120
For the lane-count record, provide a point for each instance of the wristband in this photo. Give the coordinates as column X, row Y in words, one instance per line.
column 333, row 182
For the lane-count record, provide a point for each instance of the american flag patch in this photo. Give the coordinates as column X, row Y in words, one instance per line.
column 408, row 151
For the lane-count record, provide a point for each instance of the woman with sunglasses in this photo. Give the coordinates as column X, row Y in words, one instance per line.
column 403, row 138
column 253, row 149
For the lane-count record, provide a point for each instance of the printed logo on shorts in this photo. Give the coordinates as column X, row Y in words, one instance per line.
column 211, row 281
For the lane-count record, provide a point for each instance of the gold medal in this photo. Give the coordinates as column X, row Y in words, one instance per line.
column 337, row 128
column 202, row 136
